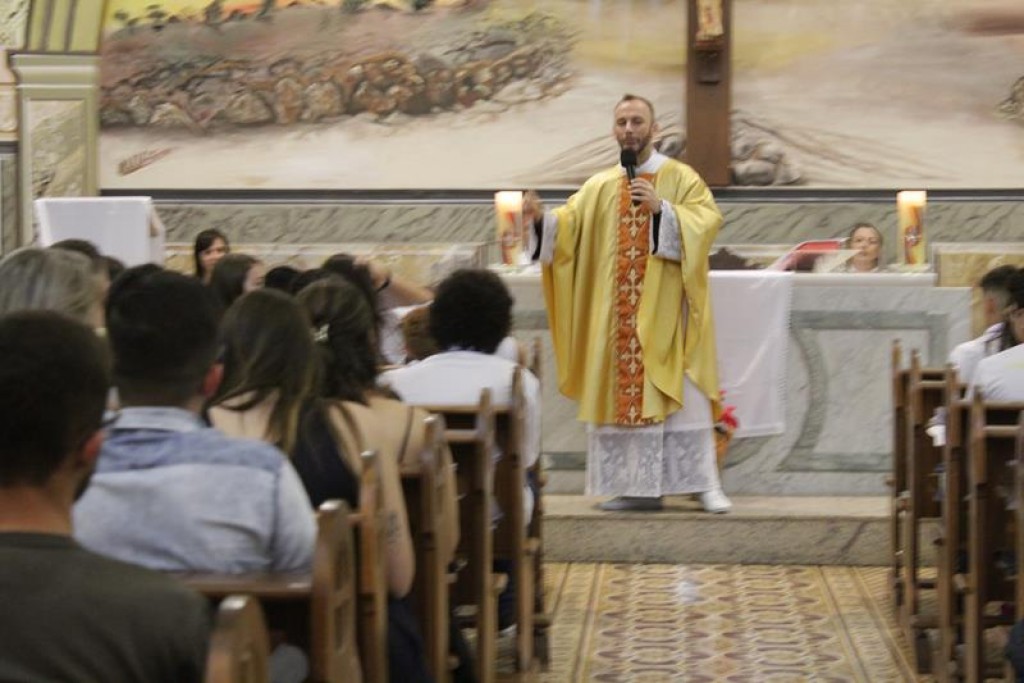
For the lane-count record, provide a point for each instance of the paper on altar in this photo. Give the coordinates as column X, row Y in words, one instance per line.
column 127, row 228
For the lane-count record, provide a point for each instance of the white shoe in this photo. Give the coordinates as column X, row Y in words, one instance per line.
column 715, row 502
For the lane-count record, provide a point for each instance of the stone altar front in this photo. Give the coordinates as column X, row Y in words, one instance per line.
column 838, row 434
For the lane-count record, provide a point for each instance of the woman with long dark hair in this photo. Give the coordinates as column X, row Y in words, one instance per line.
column 269, row 369
column 209, row 247
column 355, row 415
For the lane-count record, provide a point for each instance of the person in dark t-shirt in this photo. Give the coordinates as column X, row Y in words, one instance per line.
column 67, row 614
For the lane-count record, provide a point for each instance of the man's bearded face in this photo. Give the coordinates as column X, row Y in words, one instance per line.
column 633, row 127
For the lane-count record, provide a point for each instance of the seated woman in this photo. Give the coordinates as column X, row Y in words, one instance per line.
column 269, row 369
column 235, row 275
column 867, row 240
column 209, row 248
column 355, row 415
column 391, row 296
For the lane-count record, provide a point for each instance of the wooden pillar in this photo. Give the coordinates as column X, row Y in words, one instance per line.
column 709, row 89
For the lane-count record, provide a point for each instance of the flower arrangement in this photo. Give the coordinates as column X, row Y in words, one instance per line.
column 724, row 429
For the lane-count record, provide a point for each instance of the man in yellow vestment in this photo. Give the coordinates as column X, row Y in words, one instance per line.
column 625, row 264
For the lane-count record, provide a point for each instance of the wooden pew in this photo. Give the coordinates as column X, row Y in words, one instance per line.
column 992, row 449
column 325, row 598
column 369, row 527
column 957, row 498
column 471, row 439
column 541, row 618
column 511, row 539
column 423, row 489
column 238, row 643
column 925, row 393
column 898, row 479
column 952, row 545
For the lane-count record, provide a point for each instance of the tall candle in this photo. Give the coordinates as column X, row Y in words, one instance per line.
column 910, row 210
column 509, row 209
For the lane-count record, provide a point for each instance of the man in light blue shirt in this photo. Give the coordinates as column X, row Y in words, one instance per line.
column 169, row 492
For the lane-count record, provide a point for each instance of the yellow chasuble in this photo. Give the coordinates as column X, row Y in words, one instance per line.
column 616, row 311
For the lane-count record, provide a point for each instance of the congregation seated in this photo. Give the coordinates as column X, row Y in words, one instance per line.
column 1000, row 377
column 69, row 614
column 351, row 416
column 994, row 297
column 169, row 492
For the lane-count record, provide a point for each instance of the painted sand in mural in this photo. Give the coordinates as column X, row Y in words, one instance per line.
column 464, row 94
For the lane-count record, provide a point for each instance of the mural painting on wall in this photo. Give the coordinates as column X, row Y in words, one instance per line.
column 882, row 93
column 376, row 94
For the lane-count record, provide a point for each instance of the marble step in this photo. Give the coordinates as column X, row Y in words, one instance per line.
column 760, row 530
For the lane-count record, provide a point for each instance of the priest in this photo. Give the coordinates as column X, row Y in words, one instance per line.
column 625, row 267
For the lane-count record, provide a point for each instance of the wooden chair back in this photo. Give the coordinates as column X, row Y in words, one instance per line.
column 423, row 489
column 541, row 619
column 325, row 598
column 333, row 607
column 470, row 434
column 898, row 479
column 372, row 588
column 992, row 444
column 925, row 393
column 238, row 643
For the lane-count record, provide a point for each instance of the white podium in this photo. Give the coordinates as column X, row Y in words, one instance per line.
column 127, row 228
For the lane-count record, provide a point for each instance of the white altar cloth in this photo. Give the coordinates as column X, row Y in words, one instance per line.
column 751, row 312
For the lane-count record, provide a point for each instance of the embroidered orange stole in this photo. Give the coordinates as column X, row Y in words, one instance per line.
column 633, row 246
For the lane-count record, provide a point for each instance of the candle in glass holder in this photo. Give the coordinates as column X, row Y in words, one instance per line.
column 509, row 209
column 910, row 210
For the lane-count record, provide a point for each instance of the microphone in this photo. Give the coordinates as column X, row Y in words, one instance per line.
column 628, row 160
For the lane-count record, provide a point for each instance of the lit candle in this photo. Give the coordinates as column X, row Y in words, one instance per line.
column 509, row 209
column 910, row 210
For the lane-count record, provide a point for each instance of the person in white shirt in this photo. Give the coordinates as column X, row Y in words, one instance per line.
column 995, row 297
column 1000, row 377
column 470, row 316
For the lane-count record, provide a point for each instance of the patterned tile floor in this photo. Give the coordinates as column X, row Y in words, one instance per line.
column 735, row 624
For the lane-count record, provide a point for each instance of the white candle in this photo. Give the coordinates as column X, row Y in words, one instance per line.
column 910, row 206
column 508, row 206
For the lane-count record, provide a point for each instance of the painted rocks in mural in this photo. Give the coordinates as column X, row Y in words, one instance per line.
column 307, row 62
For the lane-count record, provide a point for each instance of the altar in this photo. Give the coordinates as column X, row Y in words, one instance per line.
column 814, row 403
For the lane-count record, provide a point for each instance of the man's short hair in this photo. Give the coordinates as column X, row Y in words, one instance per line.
column 995, row 283
column 163, row 331
column 472, row 310
column 1015, row 288
column 629, row 97
column 49, row 279
column 54, row 378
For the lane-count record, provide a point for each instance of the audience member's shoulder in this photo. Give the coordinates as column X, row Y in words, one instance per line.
column 221, row 449
column 121, row 582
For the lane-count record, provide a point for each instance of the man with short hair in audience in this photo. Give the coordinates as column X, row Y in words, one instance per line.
column 170, row 492
column 1001, row 377
column 994, row 296
column 67, row 614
